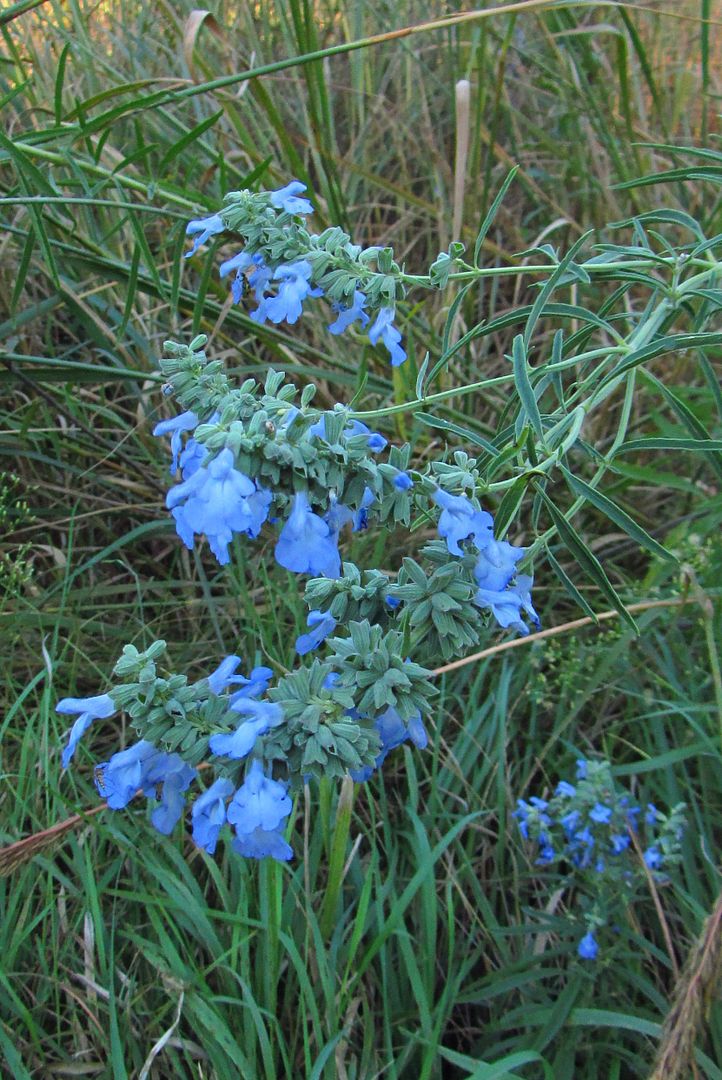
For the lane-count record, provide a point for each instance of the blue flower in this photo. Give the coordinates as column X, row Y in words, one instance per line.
column 566, row 790
column 504, row 606
column 581, row 769
column 286, row 198
column 175, row 775
column 349, row 315
column 570, row 821
column 209, row 814
column 307, row 544
column 588, row 947
column 392, row 601
column 361, row 516
column 259, row 810
column 225, row 676
column 205, row 228
column 322, row 625
column 141, row 768
column 496, row 564
column 522, row 589
column 237, row 744
column 402, row 481
column 191, row 458
column 653, row 857
column 375, row 441
column 92, row 708
column 547, row 855
column 187, row 421
column 619, row 842
column 522, row 815
column 258, row 279
column 261, row 844
column 601, row 814
column 651, row 814
column 295, row 287
column 252, row 687
column 460, row 519
column 120, row 778
column 392, row 733
column 383, row 328
column 218, row 500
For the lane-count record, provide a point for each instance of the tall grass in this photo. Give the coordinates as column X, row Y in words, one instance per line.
column 443, row 954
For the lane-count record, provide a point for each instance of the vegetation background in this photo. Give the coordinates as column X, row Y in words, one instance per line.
column 445, row 953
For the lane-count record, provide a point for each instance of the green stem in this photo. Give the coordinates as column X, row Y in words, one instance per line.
column 337, row 857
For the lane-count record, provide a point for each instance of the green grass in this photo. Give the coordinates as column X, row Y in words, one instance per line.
column 441, row 953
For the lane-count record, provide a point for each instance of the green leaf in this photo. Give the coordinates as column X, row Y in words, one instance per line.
column 524, row 387
column 700, row 446
column 491, row 214
column 616, row 514
column 586, row 558
column 569, row 587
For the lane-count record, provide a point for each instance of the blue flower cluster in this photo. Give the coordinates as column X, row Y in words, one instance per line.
column 501, row 590
column 282, row 265
column 260, row 805
column 595, row 829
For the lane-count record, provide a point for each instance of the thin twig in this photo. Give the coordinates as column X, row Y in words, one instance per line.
column 552, row 631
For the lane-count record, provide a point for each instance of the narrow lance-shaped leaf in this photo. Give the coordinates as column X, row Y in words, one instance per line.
column 586, row 559
column 616, row 514
column 524, row 387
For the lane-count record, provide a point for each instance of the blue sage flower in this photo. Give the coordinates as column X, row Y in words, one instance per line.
column 92, row 708
column 348, row 315
column 547, row 855
column 601, row 814
column 118, row 780
column 460, row 519
column 262, row 844
column 321, row 624
column 496, row 564
column 307, row 544
column 383, row 328
column 191, row 458
column 218, row 500
column 251, row 271
column 403, row 482
column 392, row 733
column 286, row 198
column 588, row 947
column 187, row 421
column 175, row 776
column 258, row 811
column 203, row 229
column 375, row 442
column 141, row 768
column 252, row 687
column 209, row 814
column 653, row 857
column 237, row 744
column 225, row 676
column 294, row 288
